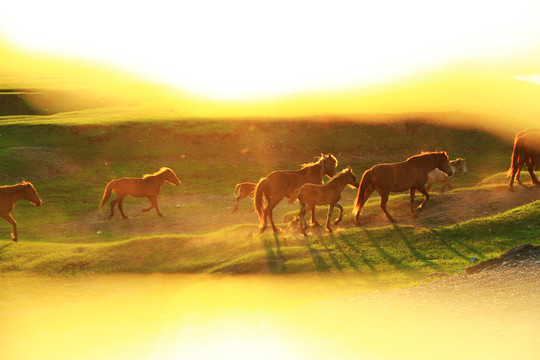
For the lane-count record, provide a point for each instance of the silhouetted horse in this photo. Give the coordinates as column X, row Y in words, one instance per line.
column 9, row 195
column 241, row 191
column 437, row 175
column 526, row 152
column 518, row 135
column 283, row 183
column 148, row 186
column 310, row 195
column 410, row 174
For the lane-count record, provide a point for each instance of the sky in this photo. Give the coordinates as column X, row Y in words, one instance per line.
column 240, row 49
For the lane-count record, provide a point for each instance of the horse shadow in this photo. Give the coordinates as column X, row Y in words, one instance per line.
column 5, row 246
column 276, row 260
column 413, row 249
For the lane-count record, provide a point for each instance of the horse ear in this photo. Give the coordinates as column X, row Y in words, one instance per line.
column 349, row 168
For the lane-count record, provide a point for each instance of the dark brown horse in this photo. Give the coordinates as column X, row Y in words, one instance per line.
column 310, row 195
column 283, row 183
column 526, row 152
column 9, row 195
column 518, row 135
column 241, row 191
column 411, row 174
column 148, row 186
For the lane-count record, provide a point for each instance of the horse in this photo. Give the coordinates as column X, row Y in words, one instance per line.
column 410, row 174
column 310, row 195
column 437, row 175
column 9, row 195
column 147, row 186
column 518, row 135
column 526, row 151
column 283, row 183
column 241, row 191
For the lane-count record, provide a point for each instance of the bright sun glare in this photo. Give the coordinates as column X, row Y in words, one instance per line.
column 246, row 49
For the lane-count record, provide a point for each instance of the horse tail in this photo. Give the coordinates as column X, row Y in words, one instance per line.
column 363, row 189
column 237, row 190
column 258, row 199
column 107, row 193
column 516, row 157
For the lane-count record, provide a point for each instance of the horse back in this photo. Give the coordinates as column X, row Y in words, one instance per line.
column 397, row 177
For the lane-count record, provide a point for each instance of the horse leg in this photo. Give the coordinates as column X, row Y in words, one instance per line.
column 235, row 206
column 9, row 218
column 530, row 167
column 153, row 201
column 412, row 192
column 113, row 204
column 268, row 213
column 121, row 208
column 429, row 186
column 384, row 200
column 302, row 216
column 328, row 217
column 340, row 217
column 313, row 221
column 424, row 192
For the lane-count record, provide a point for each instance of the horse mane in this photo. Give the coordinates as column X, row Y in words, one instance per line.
column 17, row 187
column 160, row 171
column 424, row 153
column 338, row 174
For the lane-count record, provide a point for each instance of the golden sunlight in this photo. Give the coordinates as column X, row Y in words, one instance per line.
column 243, row 49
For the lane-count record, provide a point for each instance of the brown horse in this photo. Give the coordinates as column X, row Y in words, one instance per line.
column 283, row 183
column 526, row 152
column 242, row 191
column 410, row 174
column 148, row 186
column 518, row 135
column 310, row 195
column 9, row 195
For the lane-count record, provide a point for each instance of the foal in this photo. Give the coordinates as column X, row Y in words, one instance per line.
column 310, row 195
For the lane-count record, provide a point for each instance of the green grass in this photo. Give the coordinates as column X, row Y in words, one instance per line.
column 70, row 157
column 392, row 254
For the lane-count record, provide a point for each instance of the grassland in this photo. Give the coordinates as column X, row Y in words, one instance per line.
column 70, row 157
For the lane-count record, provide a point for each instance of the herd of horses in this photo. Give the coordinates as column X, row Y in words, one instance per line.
column 306, row 185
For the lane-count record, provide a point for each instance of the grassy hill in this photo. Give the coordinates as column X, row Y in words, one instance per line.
column 70, row 157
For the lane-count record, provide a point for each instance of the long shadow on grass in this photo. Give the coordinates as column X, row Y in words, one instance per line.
column 455, row 251
column 320, row 264
column 391, row 259
column 329, row 252
column 276, row 260
column 355, row 249
column 413, row 250
column 5, row 246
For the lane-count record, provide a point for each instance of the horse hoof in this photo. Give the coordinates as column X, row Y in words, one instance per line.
column 328, row 229
column 15, row 239
column 315, row 224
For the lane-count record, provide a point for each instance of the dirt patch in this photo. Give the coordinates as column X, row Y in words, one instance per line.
column 43, row 162
column 518, row 256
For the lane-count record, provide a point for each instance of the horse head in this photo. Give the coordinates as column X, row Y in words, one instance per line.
column 30, row 194
column 443, row 163
column 352, row 181
column 171, row 177
column 462, row 165
column 328, row 163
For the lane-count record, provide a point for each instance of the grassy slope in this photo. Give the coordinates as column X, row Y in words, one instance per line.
column 392, row 253
column 70, row 157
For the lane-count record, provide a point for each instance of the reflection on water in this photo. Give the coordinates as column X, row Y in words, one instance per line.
column 200, row 317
